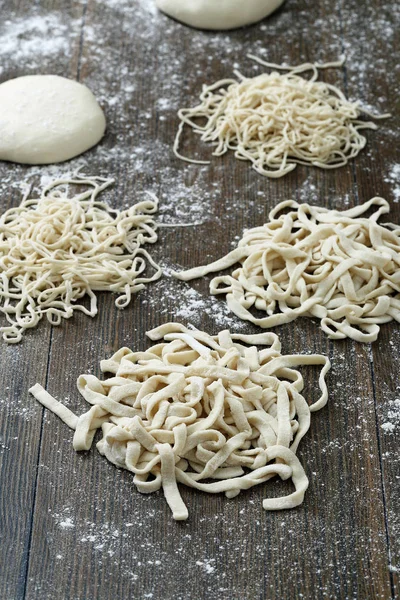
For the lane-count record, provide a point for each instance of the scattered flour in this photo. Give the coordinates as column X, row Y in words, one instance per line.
column 190, row 305
column 392, row 415
column 393, row 178
column 67, row 523
column 124, row 536
column 34, row 38
column 207, row 565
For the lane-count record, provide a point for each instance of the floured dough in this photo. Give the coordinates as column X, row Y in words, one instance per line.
column 47, row 119
column 221, row 14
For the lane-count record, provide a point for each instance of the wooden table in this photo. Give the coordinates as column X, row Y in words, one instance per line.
column 73, row 526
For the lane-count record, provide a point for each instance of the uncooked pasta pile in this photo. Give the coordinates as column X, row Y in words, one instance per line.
column 56, row 249
column 277, row 121
column 206, row 411
column 337, row 266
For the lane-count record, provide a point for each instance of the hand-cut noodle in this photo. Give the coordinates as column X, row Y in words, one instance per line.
column 56, row 249
column 278, row 120
column 205, row 411
column 310, row 261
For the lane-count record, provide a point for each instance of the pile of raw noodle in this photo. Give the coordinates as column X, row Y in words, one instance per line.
column 337, row 266
column 277, row 121
column 56, row 249
column 205, row 411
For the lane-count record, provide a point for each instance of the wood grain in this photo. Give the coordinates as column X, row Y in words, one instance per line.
column 377, row 79
column 74, row 526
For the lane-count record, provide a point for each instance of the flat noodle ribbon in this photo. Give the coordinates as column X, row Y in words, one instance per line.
column 169, row 415
column 336, row 266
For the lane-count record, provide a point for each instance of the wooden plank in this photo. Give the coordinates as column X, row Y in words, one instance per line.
column 373, row 78
column 386, row 368
column 20, row 433
column 29, row 38
column 95, row 523
column 93, row 535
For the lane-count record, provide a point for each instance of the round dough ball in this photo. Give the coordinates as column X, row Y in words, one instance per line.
column 47, row 119
column 218, row 14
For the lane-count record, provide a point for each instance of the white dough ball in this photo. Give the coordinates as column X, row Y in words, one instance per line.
column 47, row 119
column 218, row 14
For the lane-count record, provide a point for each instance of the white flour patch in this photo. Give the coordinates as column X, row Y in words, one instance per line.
column 35, row 38
column 392, row 414
column 308, row 192
column 190, row 304
column 393, row 177
column 67, row 524
column 64, row 522
column 146, row 6
column 208, row 565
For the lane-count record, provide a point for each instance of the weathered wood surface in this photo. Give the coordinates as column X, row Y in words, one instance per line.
column 73, row 526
